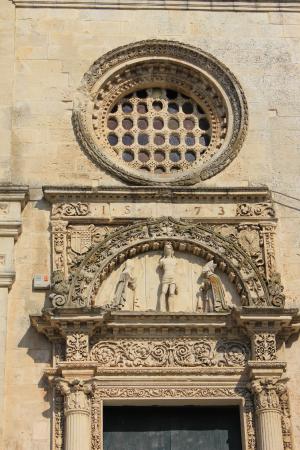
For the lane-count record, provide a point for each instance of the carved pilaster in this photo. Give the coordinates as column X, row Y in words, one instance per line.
column 264, row 346
column 77, row 346
column 59, row 240
column 97, row 423
column 268, row 233
column 268, row 413
column 58, row 422
column 77, row 411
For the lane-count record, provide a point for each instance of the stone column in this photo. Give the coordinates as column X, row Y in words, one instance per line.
column 268, row 413
column 77, row 414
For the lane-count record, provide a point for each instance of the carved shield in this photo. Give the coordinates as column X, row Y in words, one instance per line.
column 80, row 240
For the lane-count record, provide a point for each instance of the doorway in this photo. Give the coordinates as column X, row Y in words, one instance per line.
column 172, row 428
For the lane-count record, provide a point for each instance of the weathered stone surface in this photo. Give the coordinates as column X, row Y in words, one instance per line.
column 44, row 54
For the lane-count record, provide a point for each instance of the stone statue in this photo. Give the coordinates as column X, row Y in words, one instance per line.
column 212, row 291
column 168, row 287
column 126, row 281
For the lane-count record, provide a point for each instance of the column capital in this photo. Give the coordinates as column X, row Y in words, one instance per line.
column 76, row 393
column 266, row 393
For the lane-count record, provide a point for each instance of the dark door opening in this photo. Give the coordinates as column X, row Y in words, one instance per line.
column 171, row 428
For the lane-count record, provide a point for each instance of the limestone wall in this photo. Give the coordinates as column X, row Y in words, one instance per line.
column 43, row 56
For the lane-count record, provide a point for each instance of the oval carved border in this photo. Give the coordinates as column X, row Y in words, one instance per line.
column 107, row 73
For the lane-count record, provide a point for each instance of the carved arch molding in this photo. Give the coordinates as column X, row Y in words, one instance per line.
column 163, row 64
column 198, row 239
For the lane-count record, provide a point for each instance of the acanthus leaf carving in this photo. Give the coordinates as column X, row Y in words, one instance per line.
column 258, row 209
column 170, row 353
column 76, row 394
column 266, row 393
column 70, row 209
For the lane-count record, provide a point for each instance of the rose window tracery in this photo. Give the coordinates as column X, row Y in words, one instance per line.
column 160, row 130
column 160, row 112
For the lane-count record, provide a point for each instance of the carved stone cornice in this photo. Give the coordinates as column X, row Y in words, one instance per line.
column 12, row 201
column 192, row 5
column 61, row 322
column 266, row 369
column 7, row 279
column 14, row 193
column 58, row 194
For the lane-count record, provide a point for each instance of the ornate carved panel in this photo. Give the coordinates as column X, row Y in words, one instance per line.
column 170, row 353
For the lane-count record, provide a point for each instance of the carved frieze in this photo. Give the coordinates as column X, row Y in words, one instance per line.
column 170, row 353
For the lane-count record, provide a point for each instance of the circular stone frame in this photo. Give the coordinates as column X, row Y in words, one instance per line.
column 154, row 62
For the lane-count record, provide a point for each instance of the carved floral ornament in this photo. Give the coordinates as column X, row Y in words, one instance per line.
column 170, row 353
column 82, row 287
column 160, row 111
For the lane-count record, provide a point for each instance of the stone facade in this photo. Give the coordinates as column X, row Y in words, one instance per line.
column 189, row 274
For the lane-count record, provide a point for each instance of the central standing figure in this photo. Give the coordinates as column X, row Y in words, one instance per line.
column 169, row 287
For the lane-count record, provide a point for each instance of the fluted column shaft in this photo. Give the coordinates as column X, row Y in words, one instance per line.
column 268, row 414
column 77, row 415
column 269, row 433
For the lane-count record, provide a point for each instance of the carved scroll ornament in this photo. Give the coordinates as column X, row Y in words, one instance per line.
column 170, row 353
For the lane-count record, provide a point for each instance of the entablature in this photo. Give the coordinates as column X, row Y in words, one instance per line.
column 125, row 204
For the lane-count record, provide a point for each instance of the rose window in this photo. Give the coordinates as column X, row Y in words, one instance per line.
column 160, row 112
column 159, row 130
